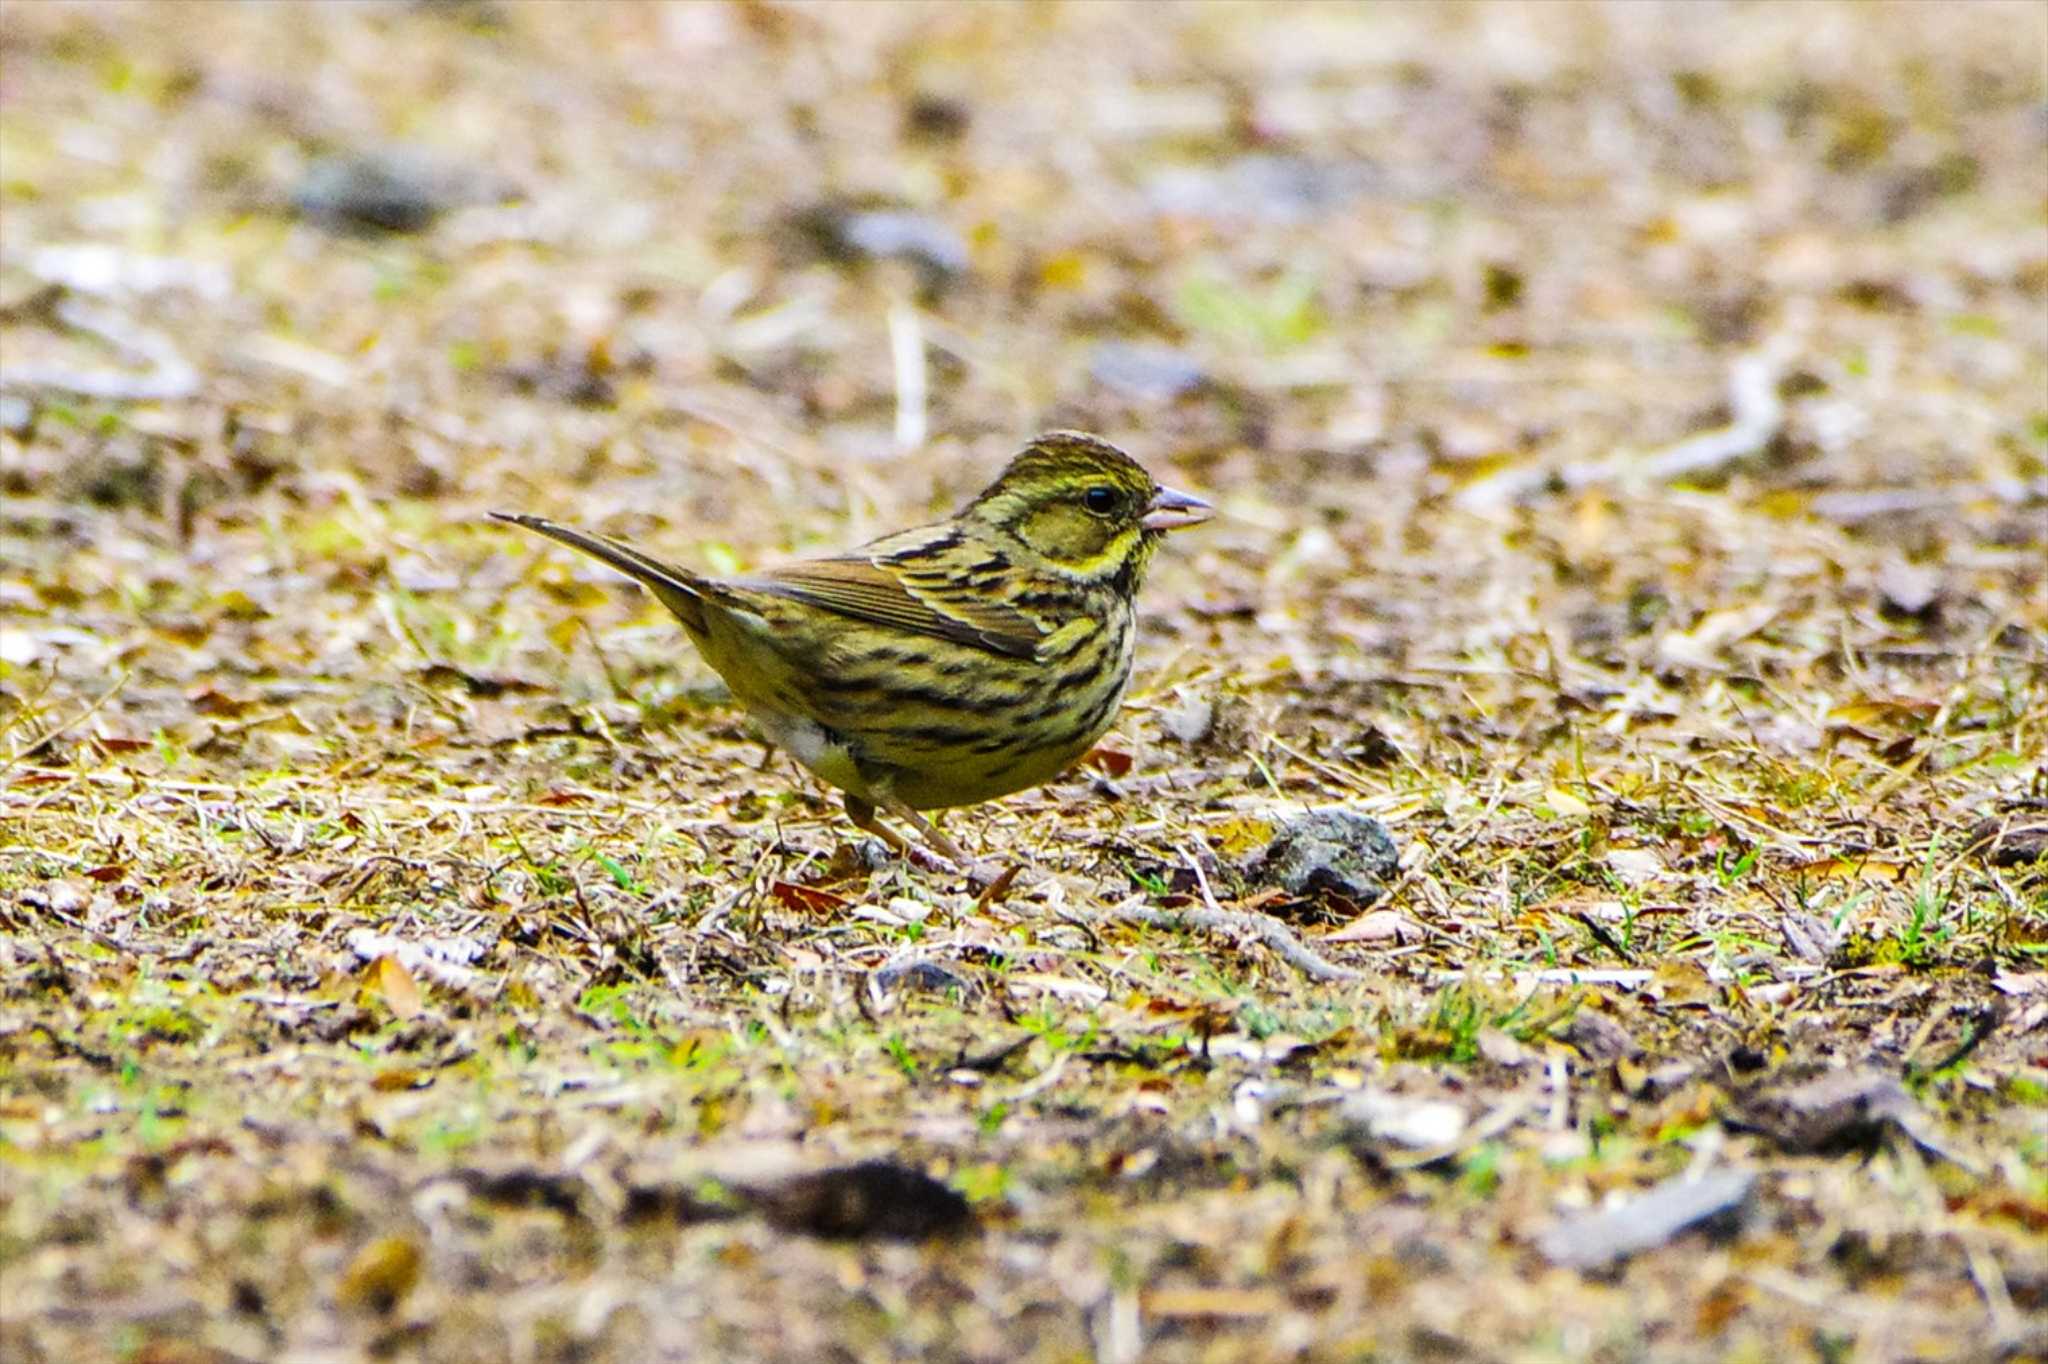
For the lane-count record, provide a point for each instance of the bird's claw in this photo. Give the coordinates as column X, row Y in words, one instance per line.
column 981, row 872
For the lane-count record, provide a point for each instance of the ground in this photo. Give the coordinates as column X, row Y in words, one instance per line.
column 1629, row 425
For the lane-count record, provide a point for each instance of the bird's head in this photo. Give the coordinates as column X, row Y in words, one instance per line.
column 1085, row 508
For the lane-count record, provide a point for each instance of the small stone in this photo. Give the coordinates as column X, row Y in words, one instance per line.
column 939, row 253
column 937, row 118
column 1599, row 1038
column 1147, row 373
column 64, row 897
column 1636, row 865
column 1331, row 851
column 1656, row 1216
column 1188, row 721
column 1843, row 1110
column 1501, row 1049
column 1262, row 186
column 874, row 1199
column 17, row 415
column 1909, row 589
column 2018, row 838
column 395, row 190
column 922, row 976
column 1378, row 1116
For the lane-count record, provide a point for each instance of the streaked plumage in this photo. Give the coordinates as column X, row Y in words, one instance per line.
column 945, row 665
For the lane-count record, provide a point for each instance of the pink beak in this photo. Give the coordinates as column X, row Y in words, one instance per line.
column 1170, row 510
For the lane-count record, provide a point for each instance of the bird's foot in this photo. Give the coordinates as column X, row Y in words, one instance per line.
column 932, row 850
column 872, row 854
column 981, row 872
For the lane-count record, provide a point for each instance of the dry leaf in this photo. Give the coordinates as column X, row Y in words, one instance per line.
column 1852, row 869
column 1565, row 804
column 1881, row 710
column 380, row 1276
column 1111, row 761
column 400, row 992
column 1379, row 925
column 807, row 899
column 1701, row 646
column 1170, row 1304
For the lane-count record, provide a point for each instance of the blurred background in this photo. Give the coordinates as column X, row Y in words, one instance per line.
column 292, row 294
column 1629, row 423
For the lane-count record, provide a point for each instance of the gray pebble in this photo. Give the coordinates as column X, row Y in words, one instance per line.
column 1330, row 850
column 1333, row 850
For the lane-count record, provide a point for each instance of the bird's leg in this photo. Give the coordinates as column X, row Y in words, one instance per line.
column 862, row 813
column 927, row 831
column 940, row 853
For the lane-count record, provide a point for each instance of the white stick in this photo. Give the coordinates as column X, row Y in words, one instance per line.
column 906, row 349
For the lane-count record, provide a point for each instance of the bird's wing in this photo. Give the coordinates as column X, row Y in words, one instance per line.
column 906, row 595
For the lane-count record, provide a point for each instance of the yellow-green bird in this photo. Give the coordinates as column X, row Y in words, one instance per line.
column 945, row 665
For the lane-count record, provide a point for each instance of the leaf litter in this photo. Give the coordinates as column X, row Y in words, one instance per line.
column 1630, row 438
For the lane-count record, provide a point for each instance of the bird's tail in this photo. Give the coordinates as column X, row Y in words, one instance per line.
column 680, row 590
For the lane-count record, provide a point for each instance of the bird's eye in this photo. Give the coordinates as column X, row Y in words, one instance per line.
column 1101, row 501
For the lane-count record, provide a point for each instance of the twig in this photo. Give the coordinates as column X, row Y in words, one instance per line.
column 1194, row 857
column 1215, row 919
column 1759, row 415
column 906, row 350
column 39, row 743
column 1982, row 1024
column 1337, row 774
column 1606, row 939
column 714, row 917
column 1044, row 1080
column 170, row 375
column 994, row 891
column 1632, row 979
column 1851, row 506
column 1990, row 1281
column 620, row 691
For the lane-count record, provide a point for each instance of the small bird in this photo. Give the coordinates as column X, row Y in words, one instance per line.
column 945, row 665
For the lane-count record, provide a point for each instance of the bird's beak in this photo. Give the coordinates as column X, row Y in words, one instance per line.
column 1170, row 510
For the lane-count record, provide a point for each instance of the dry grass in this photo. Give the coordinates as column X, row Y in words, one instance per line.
column 404, row 953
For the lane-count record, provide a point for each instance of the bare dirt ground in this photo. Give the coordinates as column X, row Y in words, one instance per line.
column 1630, row 424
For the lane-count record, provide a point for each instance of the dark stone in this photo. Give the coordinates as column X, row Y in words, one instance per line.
column 1331, row 851
column 1843, row 1110
column 922, row 975
column 396, row 190
column 936, row 118
column 876, row 1198
column 841, row 233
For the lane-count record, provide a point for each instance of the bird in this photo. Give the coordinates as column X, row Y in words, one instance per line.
column 945, row 665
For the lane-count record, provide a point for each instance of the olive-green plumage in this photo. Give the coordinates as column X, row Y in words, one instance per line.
column 945, row 665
